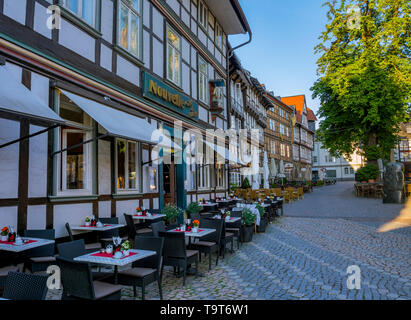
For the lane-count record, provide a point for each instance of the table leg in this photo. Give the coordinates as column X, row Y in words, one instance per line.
column 116, row 275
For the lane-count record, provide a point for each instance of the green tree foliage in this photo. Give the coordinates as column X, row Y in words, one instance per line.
column 364, row 72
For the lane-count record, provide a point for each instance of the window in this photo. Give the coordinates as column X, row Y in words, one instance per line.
column 288, row 152
column 218, row 36
column 129, row 26
column 203, row 80
column 84, row 9
column 282, row 149
column 345, row 170
column 128, row 168
column 235, row 179
column 315, row 159
column 74, row 166
column 173, row 56
column 202, row 15
column 220, row 176
column 351, row 170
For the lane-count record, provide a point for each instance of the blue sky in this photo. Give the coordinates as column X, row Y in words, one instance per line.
column 281, row 54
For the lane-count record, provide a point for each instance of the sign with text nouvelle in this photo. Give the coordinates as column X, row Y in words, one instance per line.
column 157, row 91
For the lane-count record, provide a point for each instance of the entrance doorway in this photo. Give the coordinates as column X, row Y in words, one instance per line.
column 169, row 178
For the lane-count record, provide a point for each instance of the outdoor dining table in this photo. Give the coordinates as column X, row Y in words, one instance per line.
column 151, row 217
column 105, row 227
column 230, row 220
column 30, row 244
column 103, row 258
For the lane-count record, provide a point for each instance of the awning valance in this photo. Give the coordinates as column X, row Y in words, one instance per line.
column 15, row 98
column 121, row 124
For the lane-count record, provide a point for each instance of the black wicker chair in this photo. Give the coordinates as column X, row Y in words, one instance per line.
column 107, row 236
column 132, row 229
column 210, row 243
column 226, row 237
column 25, row 286
column 89, row 246
column 158, row 227
column 39, row 259
column 175, row 253
column 77, row 281
column 147, row 270
column 235, row 227
column 4, row 271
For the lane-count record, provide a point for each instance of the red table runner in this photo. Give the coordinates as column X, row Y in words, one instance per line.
column 13, row 243
column 110, row 255
column 179, row 230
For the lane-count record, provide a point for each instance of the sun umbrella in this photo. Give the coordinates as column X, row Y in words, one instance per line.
column 266, row 171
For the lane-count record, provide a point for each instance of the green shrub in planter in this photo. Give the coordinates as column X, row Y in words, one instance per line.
column 172, row 213
column 193, row 208
column 245, row 184
column 261, row 210
column 247, row 228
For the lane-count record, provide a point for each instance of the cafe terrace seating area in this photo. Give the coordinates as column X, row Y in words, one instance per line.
column 102, row 256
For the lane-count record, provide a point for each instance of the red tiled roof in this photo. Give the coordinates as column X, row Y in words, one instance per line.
column 311, row 116
column 298, row 102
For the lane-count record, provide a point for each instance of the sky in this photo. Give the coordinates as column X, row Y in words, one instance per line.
column 281, row 54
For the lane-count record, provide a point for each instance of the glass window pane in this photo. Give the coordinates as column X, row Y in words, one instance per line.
column 121, row 160
column 88, row 11
column 72, row 5
column 173, row 38
column 75, row 161
column 134, row 35
column 132, row 172
column 124, row 27
column 170, row 63
column 134, row 4
column 176, row 67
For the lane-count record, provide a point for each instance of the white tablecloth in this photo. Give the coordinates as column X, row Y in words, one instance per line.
column 253, row 209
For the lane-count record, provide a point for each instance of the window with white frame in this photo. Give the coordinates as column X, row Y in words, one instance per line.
column 219, row 36
column 173, row 56
column 129, row 21
column 282, row 149
column 74, row 166
column 86, row 10
column 128, row 165
column 235, row 178
column 202, row 14
column 220, row 175
column 203, row 80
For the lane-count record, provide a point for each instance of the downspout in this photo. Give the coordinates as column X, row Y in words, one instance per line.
column 229, row 55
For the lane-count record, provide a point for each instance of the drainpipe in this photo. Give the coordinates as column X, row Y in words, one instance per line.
column 229, row 55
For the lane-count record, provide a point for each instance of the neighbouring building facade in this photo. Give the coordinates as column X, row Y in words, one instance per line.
column 326, row 166
column 403, row 151
column 303, row 137
column 93, row 92
column 278, row 135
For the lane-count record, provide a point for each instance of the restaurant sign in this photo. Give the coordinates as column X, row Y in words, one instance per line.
column 157, row 91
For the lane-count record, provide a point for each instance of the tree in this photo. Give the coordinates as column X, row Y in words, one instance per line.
column 364, row 72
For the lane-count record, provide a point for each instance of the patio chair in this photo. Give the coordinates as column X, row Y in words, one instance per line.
column 210, row 243
column 175, row 253
column 24, row 286
column 89, row 246
column 235, row 228
column 132, row 229
column 4, row 271
column 107, row 236
column 147, row 270
column 78, row 283
column 39, row 259
column 158, row 227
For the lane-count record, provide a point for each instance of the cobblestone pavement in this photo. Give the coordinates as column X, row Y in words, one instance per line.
column 305, row 255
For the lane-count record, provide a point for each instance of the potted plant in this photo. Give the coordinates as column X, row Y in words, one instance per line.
column 247, row 229
column 263, row 219
column 87, row 221
column 193, row 208
column 126, row 247
column 196, row 224
column 139, row 211
column 245, row 184
column 171, row 213
column 4, row 234
column 368, row 173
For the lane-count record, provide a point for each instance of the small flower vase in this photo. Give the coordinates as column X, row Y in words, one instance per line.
column 194, row 230
column 4, row 238
column 88, row 224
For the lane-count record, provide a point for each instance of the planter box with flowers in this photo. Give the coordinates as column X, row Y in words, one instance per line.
column 247, row 228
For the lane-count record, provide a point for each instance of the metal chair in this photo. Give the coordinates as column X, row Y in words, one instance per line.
column 78, row 283
column 210, row 243
column 145, row 271
column 24, row 286
column 39, row 259
column 132, row 229
column 175, row 253
column 158, row 227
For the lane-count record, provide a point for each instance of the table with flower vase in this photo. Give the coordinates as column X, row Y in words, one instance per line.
column 150, row 217
column 208, row 205
column 31, row 243
column 103, row 258
column 105, row 227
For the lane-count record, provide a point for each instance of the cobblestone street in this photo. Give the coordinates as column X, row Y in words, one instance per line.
column 305, row 255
